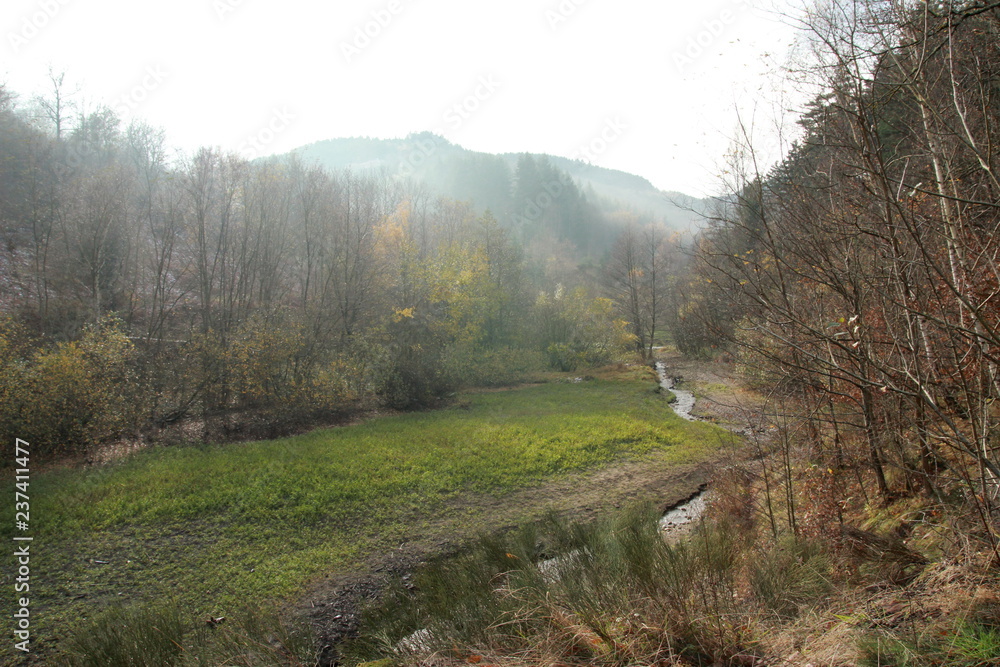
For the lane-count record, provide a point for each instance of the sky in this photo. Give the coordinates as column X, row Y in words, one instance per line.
column 648, row 87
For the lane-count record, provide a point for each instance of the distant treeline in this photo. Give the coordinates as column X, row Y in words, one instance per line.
column 253, row 297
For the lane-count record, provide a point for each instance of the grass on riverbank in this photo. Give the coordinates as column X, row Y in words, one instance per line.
column 612, row 593
column 616, row 594
column 216, row 527
column 797, row 564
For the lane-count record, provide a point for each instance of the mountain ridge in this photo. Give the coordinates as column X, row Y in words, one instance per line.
column 444, row 166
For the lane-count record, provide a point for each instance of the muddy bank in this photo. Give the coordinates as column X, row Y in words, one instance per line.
column 717, row 388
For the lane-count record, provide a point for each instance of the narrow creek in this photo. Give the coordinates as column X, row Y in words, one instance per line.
column 684, row 400
column 673, row 524
column 676, row 518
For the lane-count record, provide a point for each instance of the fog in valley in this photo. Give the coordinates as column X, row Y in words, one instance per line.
column 400, row 334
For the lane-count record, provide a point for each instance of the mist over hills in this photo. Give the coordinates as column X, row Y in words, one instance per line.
column 535, row 194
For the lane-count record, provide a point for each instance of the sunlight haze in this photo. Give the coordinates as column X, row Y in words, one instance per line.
column 645, row 87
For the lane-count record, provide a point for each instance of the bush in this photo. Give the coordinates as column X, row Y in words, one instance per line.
column 271, row 371
column 576, row 330
column 262, row 378
column 416, row 378
column 68, row 398
column 562, row 357
column 790, row 575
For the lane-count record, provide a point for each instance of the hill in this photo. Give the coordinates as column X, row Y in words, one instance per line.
column 536, row 193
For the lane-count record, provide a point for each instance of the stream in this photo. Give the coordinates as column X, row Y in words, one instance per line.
column 673, row 524
column 688, row 511
column 683, row 404
column 676, row 518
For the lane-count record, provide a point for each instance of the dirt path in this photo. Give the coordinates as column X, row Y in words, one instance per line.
column 332, row 604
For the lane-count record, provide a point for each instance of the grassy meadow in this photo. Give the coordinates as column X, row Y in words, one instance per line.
column 209, row 528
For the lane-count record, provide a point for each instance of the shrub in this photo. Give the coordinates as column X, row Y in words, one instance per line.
column 416, row 378
column 790, row 575
column 71, row 396
column 563, row 357
column 576, row 330
column 271, row 370
column 262, row 377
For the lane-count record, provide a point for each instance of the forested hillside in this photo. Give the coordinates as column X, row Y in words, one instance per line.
column 537, row 196
column 856, row 283
column 143, row 290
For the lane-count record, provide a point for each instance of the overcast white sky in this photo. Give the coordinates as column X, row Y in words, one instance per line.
column 650, row 87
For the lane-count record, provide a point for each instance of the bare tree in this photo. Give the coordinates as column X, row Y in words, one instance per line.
column 56, row 108
column 636, row 277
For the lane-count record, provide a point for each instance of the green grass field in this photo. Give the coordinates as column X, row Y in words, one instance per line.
column 211, row 527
